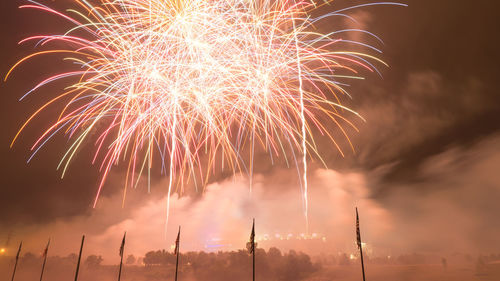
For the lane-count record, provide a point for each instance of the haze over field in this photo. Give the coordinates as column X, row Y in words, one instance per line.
column 270, row 265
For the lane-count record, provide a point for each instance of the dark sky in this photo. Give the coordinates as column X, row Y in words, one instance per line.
column 432, row 129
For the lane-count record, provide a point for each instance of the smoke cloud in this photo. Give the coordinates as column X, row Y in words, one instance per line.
column 442, row 211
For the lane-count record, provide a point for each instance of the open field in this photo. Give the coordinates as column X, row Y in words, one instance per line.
column 288, row 269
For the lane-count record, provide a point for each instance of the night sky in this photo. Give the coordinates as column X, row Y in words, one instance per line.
column 425, row 168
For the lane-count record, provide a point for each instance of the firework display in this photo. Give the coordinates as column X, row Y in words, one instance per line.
column 197, row 84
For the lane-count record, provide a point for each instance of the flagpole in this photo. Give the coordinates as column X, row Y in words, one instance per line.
column 79, row 259
column 45, row 254
column 122, row 251
column 177, row 250
column 362, row 263
column 17, row 259
column 120, row 271
column 253, row 250
column 360, row 245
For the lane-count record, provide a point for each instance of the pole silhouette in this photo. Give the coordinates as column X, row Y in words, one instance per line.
column 253, row 261
column 177, row 251
column 17, row 259
column 251, row 248
column 360, row 245
column 122, row 249
column 45, row 253
column 79, row 259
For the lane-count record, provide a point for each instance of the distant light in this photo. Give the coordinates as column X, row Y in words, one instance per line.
column 352, row 257
column 2, row 251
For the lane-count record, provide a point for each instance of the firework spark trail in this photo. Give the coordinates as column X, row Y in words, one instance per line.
column 303, row 131
column 175, row 79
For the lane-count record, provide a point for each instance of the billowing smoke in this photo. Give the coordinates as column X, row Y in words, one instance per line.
column 223, row 216
column 442, row 211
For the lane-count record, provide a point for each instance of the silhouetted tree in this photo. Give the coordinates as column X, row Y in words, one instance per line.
column 151, row 258
column 93, row 261
column 274, row 254
column 130, row 259
column 297, row 266
column 159, row 258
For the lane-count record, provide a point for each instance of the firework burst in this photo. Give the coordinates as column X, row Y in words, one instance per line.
column 176, row 79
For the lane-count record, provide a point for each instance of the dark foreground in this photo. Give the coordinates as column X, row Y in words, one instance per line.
column 271, row 265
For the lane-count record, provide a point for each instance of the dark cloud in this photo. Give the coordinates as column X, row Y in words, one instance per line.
column 453, row 206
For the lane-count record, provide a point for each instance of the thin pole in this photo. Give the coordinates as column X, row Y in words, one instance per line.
column 79, row 259
column 177, row 247
column 120, row 272
column 253, row 250
column 122, row 252
column 45, row 254
column 253, row 265
column 17, row 259
column 176, row 266
column 362, row 263
column 360, row 244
